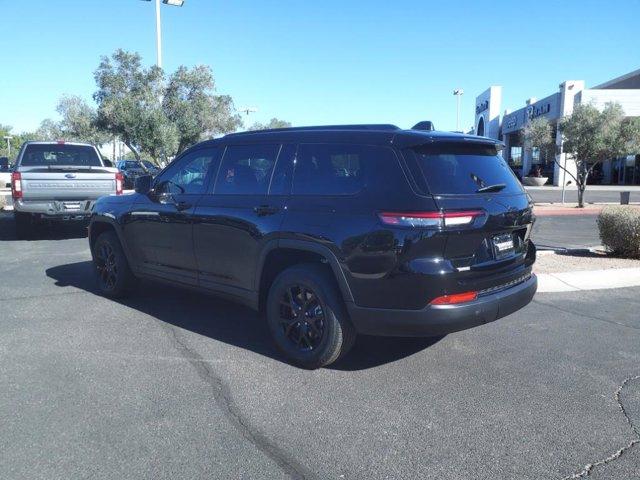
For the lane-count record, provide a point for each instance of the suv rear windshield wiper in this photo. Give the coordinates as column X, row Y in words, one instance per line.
column 492, row 188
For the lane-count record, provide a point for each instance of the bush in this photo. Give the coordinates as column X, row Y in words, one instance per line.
column 620, row 230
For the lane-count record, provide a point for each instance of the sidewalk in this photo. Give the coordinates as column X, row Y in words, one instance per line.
column 558, row 209
column 592, row 188
column 588, row 280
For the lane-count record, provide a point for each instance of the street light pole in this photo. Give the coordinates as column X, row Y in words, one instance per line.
column 8, row 138
column 175, row 3
column 458, row 92
column 247, row 111
column 158, row 35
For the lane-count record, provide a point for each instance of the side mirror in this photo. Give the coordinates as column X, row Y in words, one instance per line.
column 4, row 164
column 107, row 162
column 143, row 184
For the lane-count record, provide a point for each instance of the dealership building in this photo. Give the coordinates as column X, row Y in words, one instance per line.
column 508, row 126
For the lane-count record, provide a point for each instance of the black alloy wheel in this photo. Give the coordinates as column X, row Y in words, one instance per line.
column 307, row 317
column 106, row 266
column 112, row 269
column 302, row 317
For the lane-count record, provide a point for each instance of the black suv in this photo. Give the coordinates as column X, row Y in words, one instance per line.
column 132, row 169
column 331, row 231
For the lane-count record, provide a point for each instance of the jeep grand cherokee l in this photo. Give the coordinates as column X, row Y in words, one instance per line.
column 331, row 232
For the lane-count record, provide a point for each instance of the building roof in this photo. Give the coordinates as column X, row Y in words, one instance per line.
column 628, row 81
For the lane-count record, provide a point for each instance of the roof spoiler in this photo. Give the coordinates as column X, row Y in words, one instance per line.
column 425, row 125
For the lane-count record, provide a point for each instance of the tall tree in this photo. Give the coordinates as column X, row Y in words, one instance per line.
column 49, row 130
column 129, row 99
column 592, row 136
column 191, row 105
column 80, row 121
column 273, row 123
column 538, row 134
column 15, row 142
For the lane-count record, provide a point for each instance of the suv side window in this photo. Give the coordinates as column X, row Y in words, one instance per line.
column 189, row 174
column 330, row 169
column 246, row 170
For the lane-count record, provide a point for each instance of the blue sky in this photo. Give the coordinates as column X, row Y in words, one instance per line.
column 324, row 62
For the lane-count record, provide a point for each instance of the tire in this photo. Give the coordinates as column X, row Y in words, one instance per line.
column 310, row 337
column 113, row 274
column 24, row 225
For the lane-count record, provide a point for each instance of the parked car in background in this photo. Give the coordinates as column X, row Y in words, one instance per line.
column 59, row 181
column 5, row 173
column 331, row 232
column 132, row 169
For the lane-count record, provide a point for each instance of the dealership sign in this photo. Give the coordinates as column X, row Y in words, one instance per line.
column 533, row 111
column 481, row 107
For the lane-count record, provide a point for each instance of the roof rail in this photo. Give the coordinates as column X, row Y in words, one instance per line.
column 382, row 126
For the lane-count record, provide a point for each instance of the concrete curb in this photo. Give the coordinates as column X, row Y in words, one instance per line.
column 588, row 280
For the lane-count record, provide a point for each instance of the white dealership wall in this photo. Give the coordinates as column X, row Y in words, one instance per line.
column 488, row 104
column 554, row 107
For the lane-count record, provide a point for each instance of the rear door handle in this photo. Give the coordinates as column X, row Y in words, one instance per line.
column 264, row 210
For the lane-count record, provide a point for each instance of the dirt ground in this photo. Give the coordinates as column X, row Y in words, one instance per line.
column 551, row 262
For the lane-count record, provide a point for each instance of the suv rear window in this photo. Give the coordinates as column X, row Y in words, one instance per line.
column 60, row 155
column 455, row 168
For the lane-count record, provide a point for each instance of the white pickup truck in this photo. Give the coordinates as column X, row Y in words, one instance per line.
column 59, row 181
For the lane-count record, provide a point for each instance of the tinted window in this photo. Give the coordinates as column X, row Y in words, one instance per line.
column 460, row 169
column 60, row 155
column 330, row 169
column 189, row 173
column 246, row 170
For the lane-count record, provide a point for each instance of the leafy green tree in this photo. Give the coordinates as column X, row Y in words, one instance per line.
column 49, row 130
column 273, row 123
column 191, row 105
column 80, row 121
column 538, row 134
column 129, row 99
column 592, row 136
column 15, row 142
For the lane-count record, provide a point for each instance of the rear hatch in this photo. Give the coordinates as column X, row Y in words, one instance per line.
column 490, row 248
column 64, row 172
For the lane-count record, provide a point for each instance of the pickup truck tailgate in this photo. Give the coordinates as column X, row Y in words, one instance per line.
column 68, row 185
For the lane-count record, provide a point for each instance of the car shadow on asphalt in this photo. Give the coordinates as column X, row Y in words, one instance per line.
column 45, row 231
column 230, row 323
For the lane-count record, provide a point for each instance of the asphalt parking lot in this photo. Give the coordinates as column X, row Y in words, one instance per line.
column 170, row 384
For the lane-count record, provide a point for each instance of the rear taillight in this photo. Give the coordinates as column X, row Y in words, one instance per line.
column 431, row 219
column 16, row 185
column 119, row 182
column 455, row 298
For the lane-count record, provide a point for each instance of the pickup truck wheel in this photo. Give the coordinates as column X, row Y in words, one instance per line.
column 112, row 269
column 307, row 317
column 24, row 225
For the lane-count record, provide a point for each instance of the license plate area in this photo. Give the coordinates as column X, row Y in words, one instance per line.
column 71, row 206
column 503, row 245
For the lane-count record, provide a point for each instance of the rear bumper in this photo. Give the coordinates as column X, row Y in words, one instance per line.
column 436, row 320
column 56, row 210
